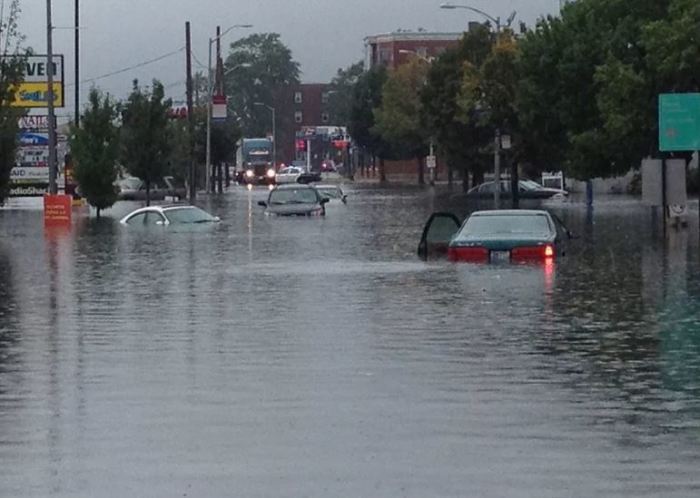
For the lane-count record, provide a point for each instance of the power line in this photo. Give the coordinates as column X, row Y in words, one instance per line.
column 131, row 68
column 198, row 62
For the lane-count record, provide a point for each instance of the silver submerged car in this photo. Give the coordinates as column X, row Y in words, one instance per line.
column 168, row 215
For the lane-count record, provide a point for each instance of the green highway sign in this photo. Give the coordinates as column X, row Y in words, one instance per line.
column 679, row 122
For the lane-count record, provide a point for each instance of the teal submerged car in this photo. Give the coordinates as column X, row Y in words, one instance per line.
column 495, row 236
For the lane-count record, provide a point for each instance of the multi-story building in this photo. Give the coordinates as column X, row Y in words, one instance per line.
column 306, row 105
column 394, row 49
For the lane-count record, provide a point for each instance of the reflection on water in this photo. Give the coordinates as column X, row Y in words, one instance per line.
column 320, row 356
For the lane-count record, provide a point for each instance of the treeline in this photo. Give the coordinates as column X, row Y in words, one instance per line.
column 577, row 92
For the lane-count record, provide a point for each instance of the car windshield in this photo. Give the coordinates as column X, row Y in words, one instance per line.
column 130, row 183
column 530, row 185
column 330, row 192
column 293, row 196
column 535, row 225
column 185, row 215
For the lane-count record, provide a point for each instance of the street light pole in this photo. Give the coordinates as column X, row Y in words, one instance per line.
column 53, row 164
column 497, row 138
column 210, row 89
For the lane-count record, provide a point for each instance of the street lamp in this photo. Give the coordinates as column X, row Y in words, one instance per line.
column 415, row 54
column 274, row 132
column 210, row 89
column 497, row 138
column 495, row 20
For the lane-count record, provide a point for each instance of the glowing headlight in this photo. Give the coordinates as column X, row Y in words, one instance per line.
column 249, row 173
column 270, row 173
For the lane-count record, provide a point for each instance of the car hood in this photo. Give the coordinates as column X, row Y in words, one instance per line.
column 503, row 242
column 292, row 209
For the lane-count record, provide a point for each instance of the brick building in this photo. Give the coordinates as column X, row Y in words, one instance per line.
column 394, row 49
column 305, row 105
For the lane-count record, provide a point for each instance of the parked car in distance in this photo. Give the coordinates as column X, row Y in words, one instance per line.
column 134, row 189
column 333, row 193
column 307, row 177
column 496, row 236
column 288, row 175
column 528, row 189
column 295, row 200
column 176, row 214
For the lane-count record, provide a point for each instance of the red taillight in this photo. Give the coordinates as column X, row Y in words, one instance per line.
column 532, row 252
column 470, row 254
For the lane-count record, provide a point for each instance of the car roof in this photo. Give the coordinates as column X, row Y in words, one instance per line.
column 320, row 185
column 293, row 186
column 511, row 212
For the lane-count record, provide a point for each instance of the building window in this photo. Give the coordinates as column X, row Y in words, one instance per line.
column 324, row 97
column 298, row 99
column 298, row 117
column 325, row 117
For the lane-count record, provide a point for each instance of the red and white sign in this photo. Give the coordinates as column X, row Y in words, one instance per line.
column 218, row 107
column 57, row 209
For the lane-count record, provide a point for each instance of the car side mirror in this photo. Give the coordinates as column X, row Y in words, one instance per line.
column 216, row 218
column 344, row 198
column 262, row 203
column 324, row 200
column 571, row 234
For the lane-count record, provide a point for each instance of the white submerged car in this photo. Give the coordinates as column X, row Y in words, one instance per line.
column 288, row 175
column 182, row 214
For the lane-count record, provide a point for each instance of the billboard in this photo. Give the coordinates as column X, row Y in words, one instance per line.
column 34, row 91
column 30, row 174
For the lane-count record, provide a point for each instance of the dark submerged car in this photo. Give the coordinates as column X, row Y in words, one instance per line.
column 527, row 189
column 295, row 200
column 496, row 235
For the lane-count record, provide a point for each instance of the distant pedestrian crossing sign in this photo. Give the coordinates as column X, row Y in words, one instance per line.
column 679, row 122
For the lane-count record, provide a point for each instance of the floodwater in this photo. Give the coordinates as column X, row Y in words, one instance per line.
column 319, row 357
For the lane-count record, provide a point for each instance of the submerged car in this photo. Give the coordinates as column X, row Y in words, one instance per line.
column 527, row 189
column 495, row 235
column 168, row 215
column 295, row 200
column 333, row 193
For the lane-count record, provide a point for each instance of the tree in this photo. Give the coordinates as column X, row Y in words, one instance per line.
column 366, row 97
column 340, row 98
column 563, row 75
column 145, row 144
column 259, row 68
column 95, row 149
column 11, row 75
column 462, row 141
column 397, row 120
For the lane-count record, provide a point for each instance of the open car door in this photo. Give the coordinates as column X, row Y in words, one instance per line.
column 437, row 234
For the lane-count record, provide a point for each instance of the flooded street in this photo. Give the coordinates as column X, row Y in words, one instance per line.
column 320, row 357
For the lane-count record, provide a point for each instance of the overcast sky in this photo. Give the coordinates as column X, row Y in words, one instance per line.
column 322, row 34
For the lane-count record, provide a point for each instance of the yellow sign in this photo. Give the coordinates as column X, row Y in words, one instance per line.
column 36, row 95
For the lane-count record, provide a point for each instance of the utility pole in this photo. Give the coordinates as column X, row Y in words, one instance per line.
column 190, row 115
column 497, row 169
column 53, row 164
column 219, row 91
column 77, row 63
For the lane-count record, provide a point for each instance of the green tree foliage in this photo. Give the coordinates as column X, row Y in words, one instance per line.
column 397, row 120
column 366, row 97
column 462, row 141
column 567, row 66
column 11, row 74
column 95, row 149
column 259, row 68
column 340, row 98
column 145, row 141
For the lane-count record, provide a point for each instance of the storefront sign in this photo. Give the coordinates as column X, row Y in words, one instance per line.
column 33, row 92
